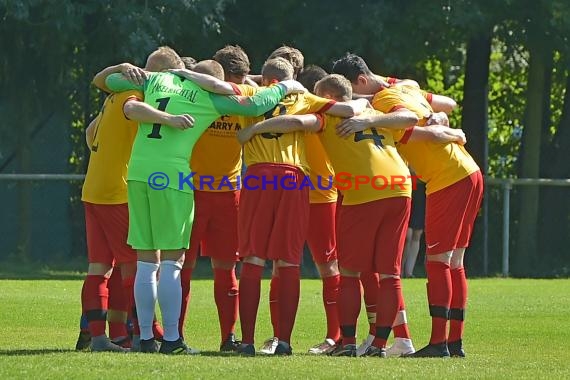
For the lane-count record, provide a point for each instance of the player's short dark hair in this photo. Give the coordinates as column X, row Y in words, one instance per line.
column 233, row 59
column 277, row 69
column 291, row 54
column 310, row 75
column 351, row 66
column 189, row 62
column 210, row 67
column 336, row 86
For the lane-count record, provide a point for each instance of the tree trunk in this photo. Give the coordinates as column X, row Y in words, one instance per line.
column 475, row 97
column 530, row 157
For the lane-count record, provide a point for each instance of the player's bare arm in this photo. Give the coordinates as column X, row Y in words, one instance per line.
column 396, row 120
column 348, row 109
column 131, row 72
column 281, row 124
column 441, row 103
column 144, row 113
column 438, row 134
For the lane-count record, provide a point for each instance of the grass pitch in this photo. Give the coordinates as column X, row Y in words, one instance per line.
column 515, row 329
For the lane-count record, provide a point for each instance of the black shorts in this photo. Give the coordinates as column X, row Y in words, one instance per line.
column 418, row 214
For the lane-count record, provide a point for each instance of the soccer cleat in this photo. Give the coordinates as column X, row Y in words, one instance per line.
column 346, row 350
column 323, row 348
column 230, row 344
column 375, row 351
column 269, row 346
column 438, row 350
column 400, row 347
column 147, row 346
column 103, row 344
column 456, row 349
column 124, row 342
column 246, row 349
column 177, row 347
column 283, row 349
column 83, row 341
column 364, row 345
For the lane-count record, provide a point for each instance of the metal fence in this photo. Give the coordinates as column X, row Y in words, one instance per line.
column 506, row 186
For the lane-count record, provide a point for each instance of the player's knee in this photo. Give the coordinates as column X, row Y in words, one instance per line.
column 348, row 273
column 328, row 269
column 100, row 269
column 440, row 257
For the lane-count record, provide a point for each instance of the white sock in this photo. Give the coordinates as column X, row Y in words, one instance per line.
column 145, row 296
column 170, row 298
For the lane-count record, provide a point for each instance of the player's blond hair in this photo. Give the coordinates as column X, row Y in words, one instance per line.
column 335, row 86
column 210, row 67
column 276, row 69
column 233, row 59
column 294, row 56
column 164, row 58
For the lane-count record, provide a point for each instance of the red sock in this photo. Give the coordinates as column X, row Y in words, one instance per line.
column 401, row 330
column 388, row 301
column 288, row 300
column 249, row 289
column 185, row 278
column 458, row 303
column 274, row 304
column 226, row 297
column 157, row 330
column 95, row 300
column 330, row 298
column 117, row 302
column 349, row 307
column 439, row 299
column 369, row 281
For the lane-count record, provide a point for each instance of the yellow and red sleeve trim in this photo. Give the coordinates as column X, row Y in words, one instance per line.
column 237, row 91
column 327, row 106
column 406, row 136
column 395, row 108
column 429, row 97
column 321, row 120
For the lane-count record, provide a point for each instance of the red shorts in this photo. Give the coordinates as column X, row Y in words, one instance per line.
column 451, row 213
column 321, row 235
column 214, row 231
column 371, row 235
column 107, row 227
column 273, row 220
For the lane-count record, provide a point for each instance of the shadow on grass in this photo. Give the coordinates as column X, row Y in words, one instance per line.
column 44, row 351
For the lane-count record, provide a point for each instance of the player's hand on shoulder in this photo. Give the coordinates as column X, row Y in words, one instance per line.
column 245, row 134
column 134, row 74
column 438, row 118
column 182, row 122
column 293, row 87
column 350, row 126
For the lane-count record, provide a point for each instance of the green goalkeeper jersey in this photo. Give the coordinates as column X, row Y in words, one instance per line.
column 167, row 150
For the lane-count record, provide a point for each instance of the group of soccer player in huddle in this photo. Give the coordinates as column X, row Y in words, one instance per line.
column 177, row 116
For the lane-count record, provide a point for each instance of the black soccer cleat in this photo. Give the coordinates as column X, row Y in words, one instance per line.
column 83, row 341
column 177, row 347
column 230, row 344
column 344, row 350
column 456, row 349
column 283, row 349
column 375, row 352
column 438, row 350
column 246, row 349
column 148, row 346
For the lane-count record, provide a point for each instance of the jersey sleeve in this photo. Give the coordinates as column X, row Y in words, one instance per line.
column 387, row 102
column 255, row 105
column 118, row 83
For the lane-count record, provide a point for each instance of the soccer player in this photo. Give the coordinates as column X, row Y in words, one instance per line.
column 321, row 236
column 364, row 243
column 160, row 195
column 273, row 220
column 454, row 188
column 216, row 198
column 110, row 140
